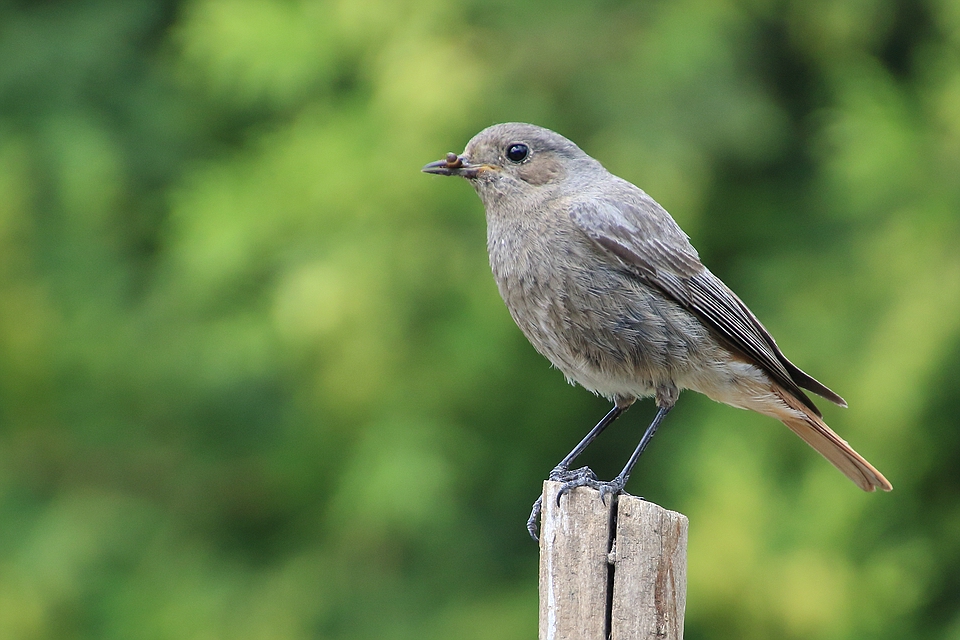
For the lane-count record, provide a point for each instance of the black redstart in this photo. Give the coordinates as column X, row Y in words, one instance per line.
column 605, row 284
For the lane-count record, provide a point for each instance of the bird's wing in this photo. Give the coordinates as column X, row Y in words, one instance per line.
column 651, row 245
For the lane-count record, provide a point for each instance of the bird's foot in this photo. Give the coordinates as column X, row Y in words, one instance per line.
column 564, row 475
column 570, row 478
column 534, row 518
column 612, row 488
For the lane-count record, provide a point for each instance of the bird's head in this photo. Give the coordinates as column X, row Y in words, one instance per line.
column 512, row 157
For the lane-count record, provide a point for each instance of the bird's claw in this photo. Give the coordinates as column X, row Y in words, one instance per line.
column 582, row 477
column 558, row 474
column 532, row 520
column 562, row 474
column 612, row 488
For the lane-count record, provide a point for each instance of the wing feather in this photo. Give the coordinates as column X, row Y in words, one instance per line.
column 653, row 247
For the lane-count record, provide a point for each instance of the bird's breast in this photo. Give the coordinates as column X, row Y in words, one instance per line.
column 582, row 310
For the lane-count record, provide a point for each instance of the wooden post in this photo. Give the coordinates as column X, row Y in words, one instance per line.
column 616, row 571
column 574, row 569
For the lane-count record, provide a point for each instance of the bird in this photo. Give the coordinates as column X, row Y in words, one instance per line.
column 604, row 283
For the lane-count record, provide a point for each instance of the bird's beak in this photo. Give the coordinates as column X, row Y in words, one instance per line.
column 454, row 165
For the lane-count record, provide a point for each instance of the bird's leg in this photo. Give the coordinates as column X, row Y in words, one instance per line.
column 562, row 473
column 666, row 396
column 616, row 486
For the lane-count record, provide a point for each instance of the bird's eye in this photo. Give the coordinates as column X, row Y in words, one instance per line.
column 518, row 152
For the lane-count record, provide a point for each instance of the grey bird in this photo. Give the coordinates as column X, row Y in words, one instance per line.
column 604, row 283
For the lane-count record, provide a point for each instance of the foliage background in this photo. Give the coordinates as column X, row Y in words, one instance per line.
column 256, row 380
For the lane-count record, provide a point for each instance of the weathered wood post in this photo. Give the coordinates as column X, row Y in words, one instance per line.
column 616, row 571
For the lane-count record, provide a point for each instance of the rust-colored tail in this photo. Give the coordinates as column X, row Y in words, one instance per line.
column 818, row 435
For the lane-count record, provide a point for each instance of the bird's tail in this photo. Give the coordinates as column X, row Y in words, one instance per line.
column 818, row 435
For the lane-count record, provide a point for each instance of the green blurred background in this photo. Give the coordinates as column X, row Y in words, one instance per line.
column 255, row 377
